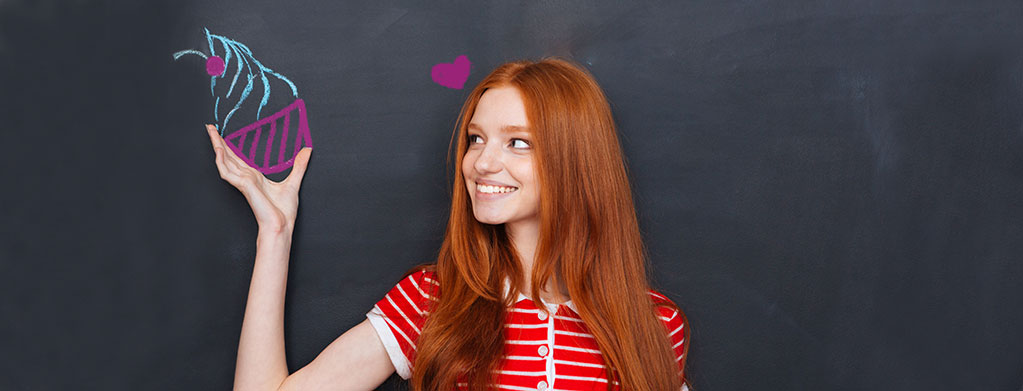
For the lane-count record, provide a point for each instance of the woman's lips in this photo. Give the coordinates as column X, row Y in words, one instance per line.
column 489, row 182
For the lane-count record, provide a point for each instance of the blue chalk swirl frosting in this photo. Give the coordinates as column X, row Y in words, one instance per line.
column 243, row 60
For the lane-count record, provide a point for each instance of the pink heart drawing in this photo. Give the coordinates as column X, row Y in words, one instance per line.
column 451, row 75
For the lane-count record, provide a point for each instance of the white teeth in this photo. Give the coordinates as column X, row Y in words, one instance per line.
column 494, row 189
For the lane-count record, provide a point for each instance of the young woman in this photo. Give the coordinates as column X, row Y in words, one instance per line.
column 541, row 212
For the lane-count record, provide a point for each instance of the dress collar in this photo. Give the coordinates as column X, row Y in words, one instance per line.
column 550, row 306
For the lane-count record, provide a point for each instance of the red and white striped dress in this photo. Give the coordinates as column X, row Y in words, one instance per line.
column 541, row 352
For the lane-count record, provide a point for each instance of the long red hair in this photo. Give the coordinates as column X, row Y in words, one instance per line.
column 589, row 238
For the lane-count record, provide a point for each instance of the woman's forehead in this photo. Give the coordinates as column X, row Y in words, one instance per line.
column 498, row 109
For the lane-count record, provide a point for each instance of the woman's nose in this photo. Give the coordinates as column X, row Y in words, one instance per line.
column 489, row 160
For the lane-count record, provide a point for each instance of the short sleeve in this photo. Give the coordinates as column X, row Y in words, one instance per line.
column 676, row 325
column 399, row 317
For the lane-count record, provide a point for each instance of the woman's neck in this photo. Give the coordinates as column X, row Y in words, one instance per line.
column 524, row 236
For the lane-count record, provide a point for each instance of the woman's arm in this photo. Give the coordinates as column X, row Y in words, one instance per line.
column 356, row 360
column 261, row 363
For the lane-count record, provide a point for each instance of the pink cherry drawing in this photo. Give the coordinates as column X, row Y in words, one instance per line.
column 214, row 66
column 451, row 75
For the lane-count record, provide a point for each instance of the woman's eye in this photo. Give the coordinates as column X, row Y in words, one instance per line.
column 520, row 143
column 473, row 138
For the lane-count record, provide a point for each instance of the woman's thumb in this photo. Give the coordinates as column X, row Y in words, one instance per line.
column 301, row 162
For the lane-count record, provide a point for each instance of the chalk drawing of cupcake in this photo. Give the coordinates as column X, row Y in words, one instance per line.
column 270, row 143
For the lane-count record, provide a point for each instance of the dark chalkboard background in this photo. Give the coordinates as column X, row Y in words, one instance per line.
column 832, row 191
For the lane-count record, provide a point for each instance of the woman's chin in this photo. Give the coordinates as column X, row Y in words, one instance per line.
column 492, row 220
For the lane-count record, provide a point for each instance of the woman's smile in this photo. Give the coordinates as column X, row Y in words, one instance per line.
column 490, row 193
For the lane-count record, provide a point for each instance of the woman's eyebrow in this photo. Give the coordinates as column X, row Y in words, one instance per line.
column 504, row 129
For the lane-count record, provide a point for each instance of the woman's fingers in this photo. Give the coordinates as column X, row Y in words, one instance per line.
column 214, row 135
column 298, row 170
column 217, row 139
column 227, row 164
column 218, row 151
column 228, row 170
column 232, row 162
column 234, row 170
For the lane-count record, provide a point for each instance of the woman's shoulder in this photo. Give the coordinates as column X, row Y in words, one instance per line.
column 667, row 310
column 660, row 300
column 423, row 271
column 675, row 322
column 423, row 278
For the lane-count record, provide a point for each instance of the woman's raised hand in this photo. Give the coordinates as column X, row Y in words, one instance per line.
column 275, row 204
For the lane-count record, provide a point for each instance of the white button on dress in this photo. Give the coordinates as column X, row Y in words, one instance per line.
column 542, row 315
column 542, row 350
column 541, row 386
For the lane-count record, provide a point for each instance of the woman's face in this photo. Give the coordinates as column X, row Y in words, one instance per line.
column 498, row 165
